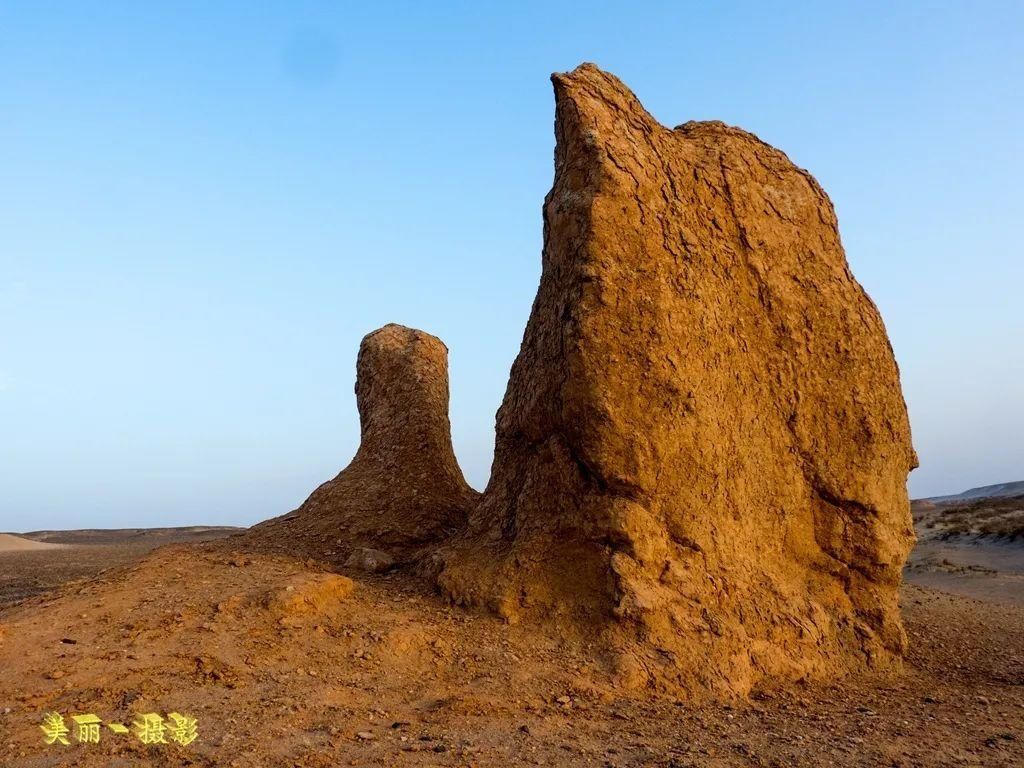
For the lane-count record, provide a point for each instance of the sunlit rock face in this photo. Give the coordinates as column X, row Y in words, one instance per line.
column 703, row 449
column 403, row 489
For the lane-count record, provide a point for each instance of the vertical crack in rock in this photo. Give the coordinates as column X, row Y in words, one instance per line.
column 702, row 452
column 403, row 489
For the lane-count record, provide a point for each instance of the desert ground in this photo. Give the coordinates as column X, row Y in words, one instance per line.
column 287, row 663
column 973, row 548
column 33, row 563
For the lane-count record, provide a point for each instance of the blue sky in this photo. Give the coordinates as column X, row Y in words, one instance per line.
column 205, row 206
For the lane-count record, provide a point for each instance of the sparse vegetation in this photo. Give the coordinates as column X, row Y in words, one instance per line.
column 996, row 518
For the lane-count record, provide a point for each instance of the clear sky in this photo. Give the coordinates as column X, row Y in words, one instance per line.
column 204, row 207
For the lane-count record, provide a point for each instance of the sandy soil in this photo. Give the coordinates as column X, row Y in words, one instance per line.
column 40, row 561
column 10, row 542
column 988, row 570
column 392, row 676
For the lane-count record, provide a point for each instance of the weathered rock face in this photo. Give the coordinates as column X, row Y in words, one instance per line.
column 403, row 489
column 703, row 448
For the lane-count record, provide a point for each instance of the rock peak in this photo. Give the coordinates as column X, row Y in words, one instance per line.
column 703, row 449
column 403, row 489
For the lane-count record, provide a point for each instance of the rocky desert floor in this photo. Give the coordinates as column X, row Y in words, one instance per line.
column 973, row 548
column 285, row 663
column 34, row 563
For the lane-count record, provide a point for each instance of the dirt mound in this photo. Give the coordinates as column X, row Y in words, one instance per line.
column 703, row 448
column 11, row 543
column 318, row 595
column 404, row 487
column 390, row 675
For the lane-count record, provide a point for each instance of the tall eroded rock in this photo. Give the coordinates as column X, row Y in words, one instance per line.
column 403, row 489
column 703, row 450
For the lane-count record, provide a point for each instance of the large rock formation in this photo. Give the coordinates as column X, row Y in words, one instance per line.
column 703, row 449
column 403, row 489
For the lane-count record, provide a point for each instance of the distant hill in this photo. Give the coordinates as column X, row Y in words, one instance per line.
column 153, row 537
column 1000, row 490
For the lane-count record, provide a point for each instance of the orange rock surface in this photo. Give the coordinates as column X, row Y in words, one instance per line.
column 403, row 488
column 703, row 449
